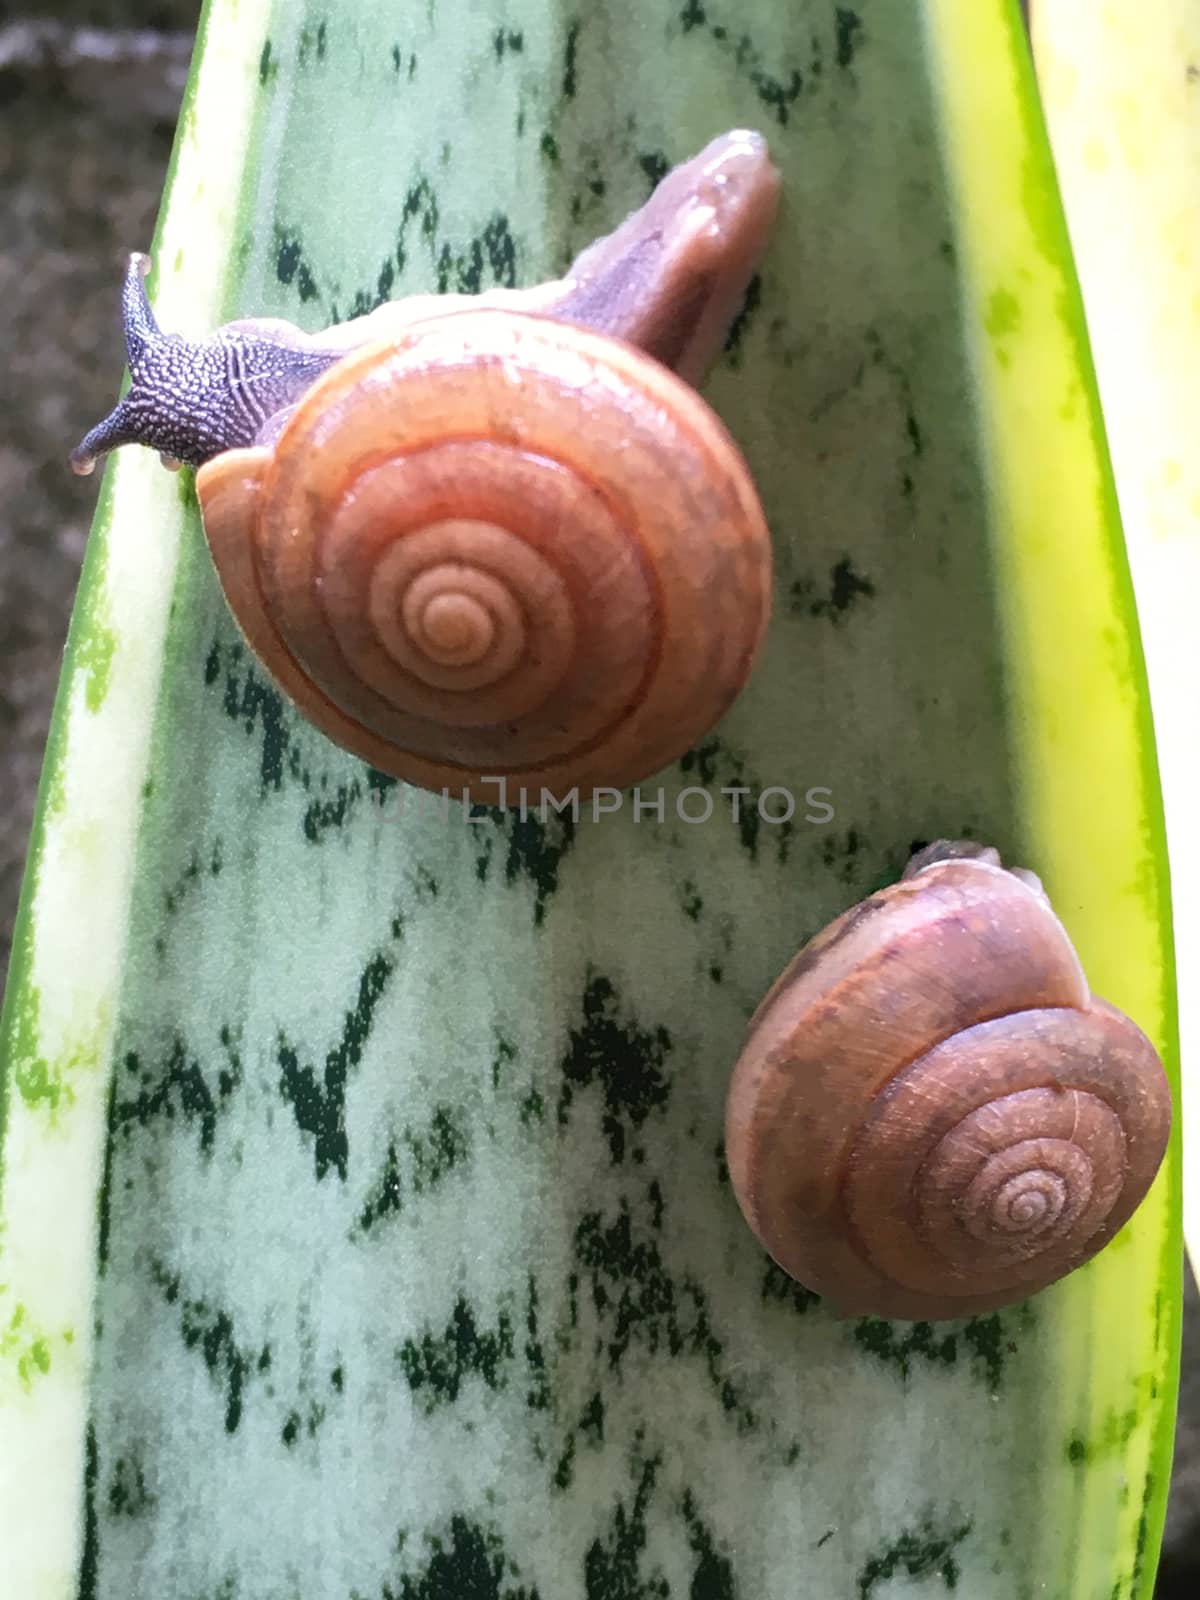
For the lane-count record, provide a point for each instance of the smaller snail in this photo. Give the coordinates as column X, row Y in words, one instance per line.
column 490, row 537
column 932, row 1116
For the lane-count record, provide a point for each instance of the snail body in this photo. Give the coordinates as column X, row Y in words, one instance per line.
column 490, row 539
column 932, row 1116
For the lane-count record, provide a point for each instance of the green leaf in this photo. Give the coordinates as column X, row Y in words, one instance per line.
column 365, row 1228
column 1123, row 109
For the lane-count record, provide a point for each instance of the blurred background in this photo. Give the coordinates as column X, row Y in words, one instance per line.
column 89, row 94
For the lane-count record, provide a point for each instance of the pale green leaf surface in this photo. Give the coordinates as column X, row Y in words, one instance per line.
column 67, row 970
column 417, row 1266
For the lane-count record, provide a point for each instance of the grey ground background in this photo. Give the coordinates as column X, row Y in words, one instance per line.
column 88, row 99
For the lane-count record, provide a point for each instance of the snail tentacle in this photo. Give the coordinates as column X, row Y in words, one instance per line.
column 190, row 399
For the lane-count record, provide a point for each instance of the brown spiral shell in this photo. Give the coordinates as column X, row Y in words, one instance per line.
column 932, row 1116
column 498, row 546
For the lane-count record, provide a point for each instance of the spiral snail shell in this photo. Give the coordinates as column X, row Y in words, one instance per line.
column 932, row 1116
column 492, row 539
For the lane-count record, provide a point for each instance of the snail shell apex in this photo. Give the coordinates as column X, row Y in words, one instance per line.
column 498, row 545
column 932, row 1116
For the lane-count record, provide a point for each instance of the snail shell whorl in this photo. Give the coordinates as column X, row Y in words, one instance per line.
column 932, row 1116
column 499, row 545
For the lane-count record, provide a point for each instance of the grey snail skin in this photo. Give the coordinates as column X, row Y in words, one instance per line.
column 932, row 1115
column 490, row 537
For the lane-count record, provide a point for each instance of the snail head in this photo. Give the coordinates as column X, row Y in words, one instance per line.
column 192, row 399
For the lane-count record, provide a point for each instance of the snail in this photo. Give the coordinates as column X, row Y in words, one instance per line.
column 490, row 537
column 931, row 1115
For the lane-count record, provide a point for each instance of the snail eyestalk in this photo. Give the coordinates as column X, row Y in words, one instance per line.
column 141, row 328
column 192, row 399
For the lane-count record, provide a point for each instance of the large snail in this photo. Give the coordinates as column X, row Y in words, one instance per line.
column 932, row 1116
column 490, row 537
